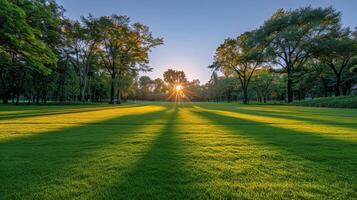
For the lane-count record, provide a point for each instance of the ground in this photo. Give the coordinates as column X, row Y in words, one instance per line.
column 168, row 151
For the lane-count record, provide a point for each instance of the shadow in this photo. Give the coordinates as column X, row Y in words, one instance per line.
column 160, row 173
column 316, row 120
column 333, row 159
column 69, row 110
column 37, row 165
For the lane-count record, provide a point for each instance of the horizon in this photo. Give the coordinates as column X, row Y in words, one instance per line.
column 191, row 30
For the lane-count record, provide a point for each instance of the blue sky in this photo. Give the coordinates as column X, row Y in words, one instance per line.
column 192, row 30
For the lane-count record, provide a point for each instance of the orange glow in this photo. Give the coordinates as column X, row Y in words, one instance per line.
column 178, row 88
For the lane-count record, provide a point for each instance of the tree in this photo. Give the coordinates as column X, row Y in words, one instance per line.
column 81, row 42
column 262, row 83
column 22, row 45
column 337, row 50
column 287, row 37
column 159, row 86
column 319, row 72
column 234, row 56
column 146, row 86
column 175, row 77
column 213, row 89
column 123, row 48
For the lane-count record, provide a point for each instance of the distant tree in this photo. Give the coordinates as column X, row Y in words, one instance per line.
column 125, row 84
column 146, row 86
column 174, row 77
column 212, row 87
column 263, row 83
column 194, row 91
column 287, row 36
column 318, row 74
column 159, row 86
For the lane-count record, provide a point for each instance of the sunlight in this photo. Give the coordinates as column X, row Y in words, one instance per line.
column 178, row 88
column 291, row 124
column 46, row 123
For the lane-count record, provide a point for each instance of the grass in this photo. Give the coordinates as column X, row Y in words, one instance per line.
column 190, row 151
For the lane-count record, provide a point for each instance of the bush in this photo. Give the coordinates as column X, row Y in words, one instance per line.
column 332, row 102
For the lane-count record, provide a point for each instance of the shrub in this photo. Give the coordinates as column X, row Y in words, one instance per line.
column 332, row 102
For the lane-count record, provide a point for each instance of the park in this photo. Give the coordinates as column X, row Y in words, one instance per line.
column 184, row 104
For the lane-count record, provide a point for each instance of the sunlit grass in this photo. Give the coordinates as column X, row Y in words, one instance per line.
column 304, row 126
column 37, row 122
column 170, row 151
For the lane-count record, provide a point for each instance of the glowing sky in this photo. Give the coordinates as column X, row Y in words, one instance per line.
column 192, row 29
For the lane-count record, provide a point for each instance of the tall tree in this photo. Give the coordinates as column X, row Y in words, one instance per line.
column 236, row 57
column 81, row 42
column 123, row 47
column 22, row 45
column 287, row 36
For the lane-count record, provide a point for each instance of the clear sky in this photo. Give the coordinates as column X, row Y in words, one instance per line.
column 192, row 29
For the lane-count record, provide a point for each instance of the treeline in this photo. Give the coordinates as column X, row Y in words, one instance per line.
column 295, row 54
column 265, row 85
column 45, row 56
column 166, row 88
column 307, row 50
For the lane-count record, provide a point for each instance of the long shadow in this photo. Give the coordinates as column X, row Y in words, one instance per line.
column 30, row 165
column 291, row 115
column 160, row 173
column 39, row 113
column 316, row 120
column 337, row 158
column 299, row 121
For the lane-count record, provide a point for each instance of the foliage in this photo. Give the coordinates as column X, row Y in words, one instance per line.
column 332, row 102
column 123, row 48
column 236, row 57
column 287, row 36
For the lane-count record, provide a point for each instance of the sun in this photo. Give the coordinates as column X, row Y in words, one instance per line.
column 178, row 88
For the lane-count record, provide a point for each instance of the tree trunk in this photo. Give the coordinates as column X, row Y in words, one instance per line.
column 338, row 82
column 81, row 90
column 290, row 87
column 325, row 87
column 17, row 99
column 119, row 97
column 112, row 92
column 245, row 95
column 5, row 99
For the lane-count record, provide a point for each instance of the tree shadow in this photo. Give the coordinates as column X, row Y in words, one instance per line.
column 316, row 120
column 334, row 159
column 160, row 173
column 51, row 112
column 31, row 166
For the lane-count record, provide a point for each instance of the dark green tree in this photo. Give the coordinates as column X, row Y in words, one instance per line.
column 286, row 37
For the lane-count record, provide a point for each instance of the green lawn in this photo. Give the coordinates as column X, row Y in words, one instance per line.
column 190, row 151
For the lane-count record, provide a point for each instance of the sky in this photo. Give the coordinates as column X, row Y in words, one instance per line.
column 193, row 29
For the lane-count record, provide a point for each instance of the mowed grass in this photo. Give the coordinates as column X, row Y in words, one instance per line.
column 168, row 151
